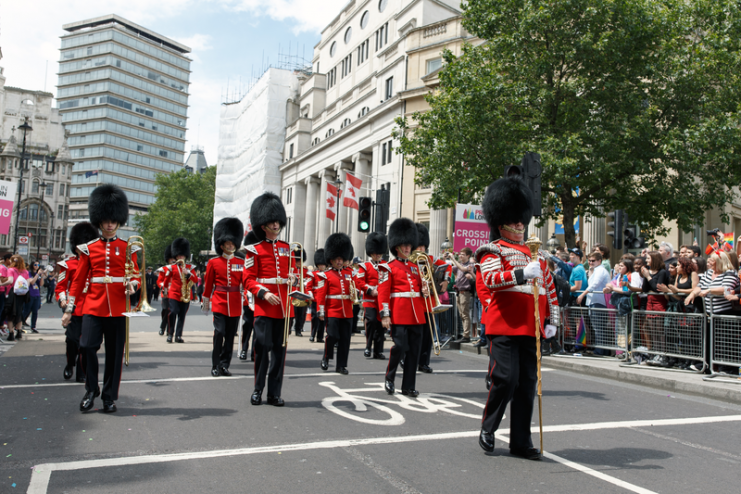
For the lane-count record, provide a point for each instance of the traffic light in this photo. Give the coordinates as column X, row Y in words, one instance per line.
column 513, row 171
column 364, row 214
column 616, row 223
column 529, row 170
column 383, row 203
column 632, row 233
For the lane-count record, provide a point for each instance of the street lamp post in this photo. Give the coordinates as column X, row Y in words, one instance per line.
column 38, row 230
column 25, row 128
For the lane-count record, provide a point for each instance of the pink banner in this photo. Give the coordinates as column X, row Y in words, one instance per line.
column 7, row 201
column 471, row 229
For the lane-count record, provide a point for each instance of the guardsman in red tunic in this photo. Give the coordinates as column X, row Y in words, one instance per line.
column 102, row 264
column 485, row 297
column 366, row 282
column 269, row 264
column 424, row 246
column 169, row 259
column 334, row 301
column 299, row 262
column 248, row 307
column 222, row 292
column 81, row 233
column 317, row 325
column 509, row 275
column 400, row 295
column 175, row 275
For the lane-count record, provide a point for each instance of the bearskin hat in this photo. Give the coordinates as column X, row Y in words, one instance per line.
column 423, row 236
column 251, row 238
column 227, row 230
column 180, row 247
column 319, row 258
column 376, row 243
column 108, row 203
column 82, row 233
column 507, row 200
column 338, row 245
column 296, row 256
column 168, row 253
column 265, row 209
column 402, row 231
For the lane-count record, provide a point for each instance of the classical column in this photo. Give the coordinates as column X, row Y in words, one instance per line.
column 594, row 230
column 362, row 171
column 325, row 225
column 438, row 230
column 312, row 205
column 540, row 232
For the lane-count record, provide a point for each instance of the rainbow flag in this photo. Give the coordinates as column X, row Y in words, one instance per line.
column 728, row 238
column 581, row 334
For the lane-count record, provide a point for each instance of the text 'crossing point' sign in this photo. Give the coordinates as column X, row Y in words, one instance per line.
column 7, row 199
column 471, row 229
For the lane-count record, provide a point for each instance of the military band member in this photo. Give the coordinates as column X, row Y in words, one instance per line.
column 400, row 295
column 102, row 261
column 248, row 312
column 299, row 260
column 509, row 275
column 366, row 282
column 424, row 245
column 222, row 291
column 317, row 325
column 169, row 259
column 269, row 265
column 334, row 301
column 176, row 274
column 81, row 233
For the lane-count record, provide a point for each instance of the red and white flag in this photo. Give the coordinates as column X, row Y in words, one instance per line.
column 352, row 191
column 331, row 201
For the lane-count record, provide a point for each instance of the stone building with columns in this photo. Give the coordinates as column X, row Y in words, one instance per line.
column 342, row 118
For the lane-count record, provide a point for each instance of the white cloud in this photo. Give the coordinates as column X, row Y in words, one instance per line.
column 305, row 15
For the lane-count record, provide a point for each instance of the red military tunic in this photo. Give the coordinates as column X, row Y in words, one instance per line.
column 223, row 284
column 161, row 281
column 400, row 293
column 268, row 265
column 174, row 281
column 67, row 272
column 334, row 298
column 366, row 281
column 511, row 311
column 103, row 262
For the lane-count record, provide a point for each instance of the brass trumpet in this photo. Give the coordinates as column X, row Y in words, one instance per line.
column 132, row 272
column 432, row 303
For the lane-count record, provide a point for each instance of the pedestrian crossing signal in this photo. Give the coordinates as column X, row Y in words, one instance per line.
column 364, row 214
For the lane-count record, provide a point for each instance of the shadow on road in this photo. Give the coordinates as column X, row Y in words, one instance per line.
column 180, row 413
column 619, row 458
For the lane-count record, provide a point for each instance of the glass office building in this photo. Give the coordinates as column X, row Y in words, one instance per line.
column 123, row 97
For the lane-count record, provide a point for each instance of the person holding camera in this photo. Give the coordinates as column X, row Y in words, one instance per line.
column 465, row 279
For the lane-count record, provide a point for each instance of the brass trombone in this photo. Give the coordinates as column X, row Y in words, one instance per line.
column 298, row 296
column 432, row 303
column 132, row 272
column 299, row 302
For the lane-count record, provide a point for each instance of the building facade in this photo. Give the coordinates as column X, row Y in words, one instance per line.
column 123, row 97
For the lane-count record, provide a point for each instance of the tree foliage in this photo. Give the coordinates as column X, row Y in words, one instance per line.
column 184, row 207
column 632, row 103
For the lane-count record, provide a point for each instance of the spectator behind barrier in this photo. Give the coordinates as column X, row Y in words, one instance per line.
column 605, row 253
column 578, row 278
column 653, row 275
column 717, row 285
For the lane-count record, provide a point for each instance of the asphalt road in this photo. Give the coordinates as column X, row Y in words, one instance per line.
column 180, row 430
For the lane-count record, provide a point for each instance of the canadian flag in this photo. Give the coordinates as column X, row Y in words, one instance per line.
column 331, row 201
column 352, row 191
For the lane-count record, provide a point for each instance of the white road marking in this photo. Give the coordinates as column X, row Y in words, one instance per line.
column 42, row 473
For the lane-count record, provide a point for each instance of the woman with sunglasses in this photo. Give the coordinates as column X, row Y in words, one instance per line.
column 34, row 291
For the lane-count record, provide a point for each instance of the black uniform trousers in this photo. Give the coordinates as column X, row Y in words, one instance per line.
column 165, row 312
column 407, row 341
column 297, row 322
column 113, row 330
column 317, row 325
column 270, row 354
column 76, row 356
column 178, row 311
column 225, row 329
column 248, row 323
column 339, row 330
column 373, row 331
column 513, row 368
column 355, row 317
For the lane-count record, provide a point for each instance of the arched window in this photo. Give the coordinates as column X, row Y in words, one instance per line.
column 364, row 20
column 363, row 111
column 348, row 35
column 345, row 123
column 315, row 141
column 33, row 212
column 329, row 133
column 35, row 187
column 333, row 49
column 382, row 5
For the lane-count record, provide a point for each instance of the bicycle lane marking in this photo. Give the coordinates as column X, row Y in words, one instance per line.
column 41, row 474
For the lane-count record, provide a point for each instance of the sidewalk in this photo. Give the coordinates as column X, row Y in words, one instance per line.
column 675, row 381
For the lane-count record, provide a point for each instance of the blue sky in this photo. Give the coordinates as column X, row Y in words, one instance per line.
column 228, row 39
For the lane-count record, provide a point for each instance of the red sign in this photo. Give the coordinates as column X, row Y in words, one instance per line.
column 23, row 240
column 7, row 200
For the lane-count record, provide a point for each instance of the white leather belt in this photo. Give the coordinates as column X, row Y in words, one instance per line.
column 107, row 279
column 528, row 289
column 273, row 281
column 406, row 295
column 339, row 297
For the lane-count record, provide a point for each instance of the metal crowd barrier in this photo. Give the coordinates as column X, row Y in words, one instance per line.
column 725, row 347
column 669, row 334
column 599, row 330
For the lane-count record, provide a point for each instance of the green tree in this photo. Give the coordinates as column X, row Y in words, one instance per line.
column 634, row 103
column 184, row 207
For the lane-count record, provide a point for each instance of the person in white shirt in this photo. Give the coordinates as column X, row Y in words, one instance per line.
column 596, row 300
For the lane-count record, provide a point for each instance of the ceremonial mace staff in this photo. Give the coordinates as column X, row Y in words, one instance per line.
column 534, row 243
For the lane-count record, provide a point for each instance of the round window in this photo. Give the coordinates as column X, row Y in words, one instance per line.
column 382, row 5
column 333, row 49
column 348, row 35
column 364, row 20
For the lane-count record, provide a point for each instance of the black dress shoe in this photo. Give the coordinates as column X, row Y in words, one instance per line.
column 413, row 393
column 528, row 454
column 320, row 341
column 343, row 371
column 486, row 441
column 256, row 398
column 325, row 364
column 426, row 369
column 367, row 353
column 179, row 340
column 276, row 401
column 215, row 372
column 379, row 356
column 299, row 334
column 224, row 371
column 311, row 339
column 88, row 401
column 389, row 387
column 109, row 407
column 242, row 355
column 169, row 338
column 67, row 372
column 162, row 331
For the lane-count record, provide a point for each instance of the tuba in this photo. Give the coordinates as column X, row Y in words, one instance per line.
column 185, row 284
column 131, row 272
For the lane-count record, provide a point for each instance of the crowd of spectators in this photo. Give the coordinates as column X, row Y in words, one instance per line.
column 20, row 300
